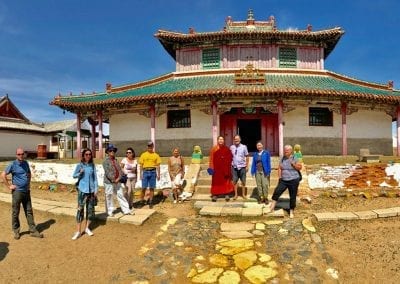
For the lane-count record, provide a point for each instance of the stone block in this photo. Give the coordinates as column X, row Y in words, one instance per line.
column 383, row 213
column 346, row 216
column 396, row 209
column 211, row 210
column 134, row 219
column 240, row 226
column 364, row 215
column 276, row 213
column 237, row 234
column 252, row 212
column 144, row 211
column 325, row 216
column 231, row 211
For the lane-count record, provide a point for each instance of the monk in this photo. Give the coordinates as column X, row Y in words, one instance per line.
column 220, row 169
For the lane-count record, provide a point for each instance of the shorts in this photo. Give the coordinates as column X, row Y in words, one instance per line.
column 149, row 179
column 239, row 174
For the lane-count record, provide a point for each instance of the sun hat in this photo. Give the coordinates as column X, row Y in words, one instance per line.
column 150, row 144
column 111, row 147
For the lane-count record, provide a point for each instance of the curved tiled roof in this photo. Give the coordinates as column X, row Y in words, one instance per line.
column 279, row 83
column 326, row 38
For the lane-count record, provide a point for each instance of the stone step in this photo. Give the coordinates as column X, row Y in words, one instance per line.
column 206, row 196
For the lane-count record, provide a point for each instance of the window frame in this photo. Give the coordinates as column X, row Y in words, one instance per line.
column 320, row 116
column 211, row 58
column 287, row 60
column 179, row 118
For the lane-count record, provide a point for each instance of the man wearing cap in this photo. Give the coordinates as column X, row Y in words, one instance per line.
column 150, row 171
column 112, row 184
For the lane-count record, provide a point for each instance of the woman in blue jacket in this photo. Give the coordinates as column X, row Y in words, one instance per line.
column 85, row 171
column 261, row 169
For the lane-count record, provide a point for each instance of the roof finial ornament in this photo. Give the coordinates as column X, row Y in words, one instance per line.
column 250, row 17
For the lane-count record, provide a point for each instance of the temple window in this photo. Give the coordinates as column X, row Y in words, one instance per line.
column 287, row 57
column 178, row 119
column 320, row 116
column 211, row 58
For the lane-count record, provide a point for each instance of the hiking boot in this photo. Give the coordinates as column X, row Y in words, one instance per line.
column 17, row 235
column 36, row 234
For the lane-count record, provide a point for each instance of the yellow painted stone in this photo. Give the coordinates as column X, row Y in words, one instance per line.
column 259, row 274
column 307, row 223
column 245, row 259
column 238, row 243
column 260, row 226
column 219, row 260
column 222, row 240
column 229, row 277
column 159, row 234
column 164, row 228
column 232, row 251
column 272, row 264
column 179, row 244
column 209, row 276
column 191, row 273
column 200, row 267
column 172, row 221
column 199, row 258
column 263, row 257
column 273, row 222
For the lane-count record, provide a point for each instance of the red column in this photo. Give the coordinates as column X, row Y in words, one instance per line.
column 153, row 124
column 344, row 128
column 214, row 122
column 93, row 142
column 100, row 120
column 78, row 136
column 280, row 127
column 398, row 129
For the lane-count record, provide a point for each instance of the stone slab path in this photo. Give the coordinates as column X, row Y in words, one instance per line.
column 69, row 209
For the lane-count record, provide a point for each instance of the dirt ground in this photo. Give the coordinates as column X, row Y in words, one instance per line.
column 364, row 251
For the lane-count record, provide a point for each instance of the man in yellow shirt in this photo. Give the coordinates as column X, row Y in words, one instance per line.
column 150, row 172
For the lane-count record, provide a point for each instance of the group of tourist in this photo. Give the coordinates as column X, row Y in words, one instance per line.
column 227, row 165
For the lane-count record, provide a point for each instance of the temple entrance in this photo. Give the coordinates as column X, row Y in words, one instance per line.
column 252, row 124
column 250, row 132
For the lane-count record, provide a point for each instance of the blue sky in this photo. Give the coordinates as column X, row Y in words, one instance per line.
column 62, row 46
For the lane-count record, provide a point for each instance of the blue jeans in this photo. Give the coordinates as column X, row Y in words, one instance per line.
column 149, row 179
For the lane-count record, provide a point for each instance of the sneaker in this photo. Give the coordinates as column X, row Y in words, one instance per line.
column 36, row 234
column 227, row 198
column 76, row 236
column 175, row 201
column 17, row 236
column 110, row 215
column 88, row 232
column 214, row 199
column 151, row 205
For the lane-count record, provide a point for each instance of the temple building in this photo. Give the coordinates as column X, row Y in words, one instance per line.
column 249, row 78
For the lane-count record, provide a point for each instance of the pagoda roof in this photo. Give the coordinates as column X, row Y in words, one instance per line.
column 250, row 32
column 216, row 84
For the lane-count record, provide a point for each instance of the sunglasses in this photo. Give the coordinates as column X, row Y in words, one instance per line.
column 20, row 154
column 128, row 152
column 111, row 151
column 88, row 154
